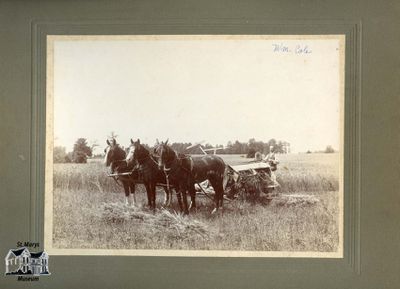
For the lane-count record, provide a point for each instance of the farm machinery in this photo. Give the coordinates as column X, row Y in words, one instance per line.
column 245, row 181
column 250, row 180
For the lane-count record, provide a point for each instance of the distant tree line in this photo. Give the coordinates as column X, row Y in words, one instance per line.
column 80, row 153
column 82, row 150
column 252, row 146
column 248, row 148
column 328, row 150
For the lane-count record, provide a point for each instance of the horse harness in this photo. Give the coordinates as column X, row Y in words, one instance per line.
column 189, row 170
column 117, row 168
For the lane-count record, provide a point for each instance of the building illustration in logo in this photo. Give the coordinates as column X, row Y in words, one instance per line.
column 22, row 262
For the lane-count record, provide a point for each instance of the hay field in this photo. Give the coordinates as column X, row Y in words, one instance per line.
column 89, row 212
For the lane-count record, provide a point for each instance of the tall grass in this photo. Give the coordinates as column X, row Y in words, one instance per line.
column 296, row 173
column 89, row 213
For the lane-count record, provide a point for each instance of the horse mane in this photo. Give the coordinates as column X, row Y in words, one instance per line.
column 118, row 159
column 142, row 153
column 171, row 152
column 120, row 152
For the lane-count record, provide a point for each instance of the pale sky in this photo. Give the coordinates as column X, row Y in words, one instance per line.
column 195, row 89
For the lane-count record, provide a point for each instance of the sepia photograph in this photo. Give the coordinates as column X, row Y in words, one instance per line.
column 195, row 145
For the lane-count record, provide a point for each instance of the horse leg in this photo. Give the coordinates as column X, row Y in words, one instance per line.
column 126, row 189
column 148, row 194
column 220, row 190
column 185, row 202
column 153, row 196
column 132, row 195
column 192, row 193
column 169, row 196
column 179, row 197
column 219, row 193
column 167, row 200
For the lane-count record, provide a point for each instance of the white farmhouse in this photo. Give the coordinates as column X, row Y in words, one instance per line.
column 39, row 263
column 18, row 260
column 21, row 262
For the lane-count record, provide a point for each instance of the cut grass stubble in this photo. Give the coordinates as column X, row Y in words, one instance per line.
column 89, row 213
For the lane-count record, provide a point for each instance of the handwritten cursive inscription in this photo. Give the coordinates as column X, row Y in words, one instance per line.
column 299, row 49
column 279, row 47
column 302, row 49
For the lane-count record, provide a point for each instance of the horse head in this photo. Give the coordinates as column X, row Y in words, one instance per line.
column 113, row 152
column 137, row 153
column 166, row 156
column 131, row 151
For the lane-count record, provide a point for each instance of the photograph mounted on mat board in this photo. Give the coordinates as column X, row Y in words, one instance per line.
column 195, row 145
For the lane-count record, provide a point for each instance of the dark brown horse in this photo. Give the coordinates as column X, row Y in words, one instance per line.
column 185, row 171
column 115, row 159
column 149, row 172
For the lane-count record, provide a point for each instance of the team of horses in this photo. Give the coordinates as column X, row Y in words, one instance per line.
column 163, row 165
